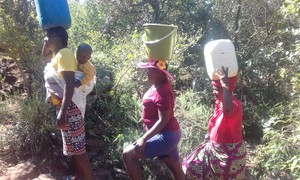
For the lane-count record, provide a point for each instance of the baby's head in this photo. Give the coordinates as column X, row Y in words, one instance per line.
column 83, row 53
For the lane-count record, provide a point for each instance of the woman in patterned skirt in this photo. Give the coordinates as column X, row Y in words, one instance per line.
column 222, row 155
column 69, row 118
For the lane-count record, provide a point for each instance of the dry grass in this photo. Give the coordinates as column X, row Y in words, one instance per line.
column 9, row 117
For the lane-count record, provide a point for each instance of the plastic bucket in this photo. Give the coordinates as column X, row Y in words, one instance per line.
column 159, row 40
column 53, row 13
column 220, row 53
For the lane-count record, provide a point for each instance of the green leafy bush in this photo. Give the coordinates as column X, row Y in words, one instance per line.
column 32, row 133
column 193, row 114
column 279, row 154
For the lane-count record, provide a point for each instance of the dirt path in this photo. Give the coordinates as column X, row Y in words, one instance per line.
column 12, row 167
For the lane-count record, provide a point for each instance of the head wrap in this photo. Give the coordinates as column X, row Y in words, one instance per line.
column 232, row 82
column 157, row 64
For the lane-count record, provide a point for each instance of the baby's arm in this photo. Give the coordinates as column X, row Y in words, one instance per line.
column 77, row 83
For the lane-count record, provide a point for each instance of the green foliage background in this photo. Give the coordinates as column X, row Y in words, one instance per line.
column 267, row 40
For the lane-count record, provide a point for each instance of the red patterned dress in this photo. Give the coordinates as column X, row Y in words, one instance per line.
column 223, row 155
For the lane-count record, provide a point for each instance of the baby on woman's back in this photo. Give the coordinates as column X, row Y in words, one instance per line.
column 83, row 55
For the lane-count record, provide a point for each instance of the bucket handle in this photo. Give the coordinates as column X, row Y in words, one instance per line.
column 158, row 40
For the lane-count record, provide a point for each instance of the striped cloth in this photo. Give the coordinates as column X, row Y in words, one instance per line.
column 214, row 161
column 73, row 134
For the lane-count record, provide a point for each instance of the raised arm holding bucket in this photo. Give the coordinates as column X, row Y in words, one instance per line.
column 222, row 155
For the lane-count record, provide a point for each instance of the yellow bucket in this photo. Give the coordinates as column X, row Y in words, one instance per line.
column 159, row 40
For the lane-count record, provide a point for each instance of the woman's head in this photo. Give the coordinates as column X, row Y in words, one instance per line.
column 56, row 36
column 157, row 70
column 156, row 76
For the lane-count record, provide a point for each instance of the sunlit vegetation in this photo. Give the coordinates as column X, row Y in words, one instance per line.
column 267, row 40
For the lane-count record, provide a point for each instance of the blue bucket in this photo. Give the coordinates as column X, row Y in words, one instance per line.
column 53, row 13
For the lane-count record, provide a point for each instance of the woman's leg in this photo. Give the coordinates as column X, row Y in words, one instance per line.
column 158, row 145
column 78, row 174
column 83, row 166
column 130, row 159
column 174, row 166
column 74, row 143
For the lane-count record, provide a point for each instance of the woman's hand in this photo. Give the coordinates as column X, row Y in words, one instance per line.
column 61, row 119
column 223, row 75
column 67, row 97
column 139, row 146
column 163, row 119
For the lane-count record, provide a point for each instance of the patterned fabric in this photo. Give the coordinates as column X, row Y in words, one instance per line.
column 214, row 161
column 73, row 134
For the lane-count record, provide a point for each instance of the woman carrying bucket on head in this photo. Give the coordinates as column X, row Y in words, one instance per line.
column 222, row 155
column 59, row 77
column 162, row 128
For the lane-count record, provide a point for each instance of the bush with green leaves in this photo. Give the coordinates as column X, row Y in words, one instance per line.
column 193, row 115
column 278, row 156
column 115, row 102
column 33, row 132
column 266, row 37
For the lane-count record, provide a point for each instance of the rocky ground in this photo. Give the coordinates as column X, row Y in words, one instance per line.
column 10, row 78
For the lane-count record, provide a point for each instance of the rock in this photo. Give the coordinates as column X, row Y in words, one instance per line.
column 44, row 177
column 4, row 178
column 21, row 171
column 11, row 80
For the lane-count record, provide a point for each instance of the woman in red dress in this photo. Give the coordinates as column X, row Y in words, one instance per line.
column 223, row 154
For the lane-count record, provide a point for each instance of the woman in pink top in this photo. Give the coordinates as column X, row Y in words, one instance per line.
column 222, row 155
column 162, row 129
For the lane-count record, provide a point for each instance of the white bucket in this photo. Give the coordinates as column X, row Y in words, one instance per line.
column 220, row 53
